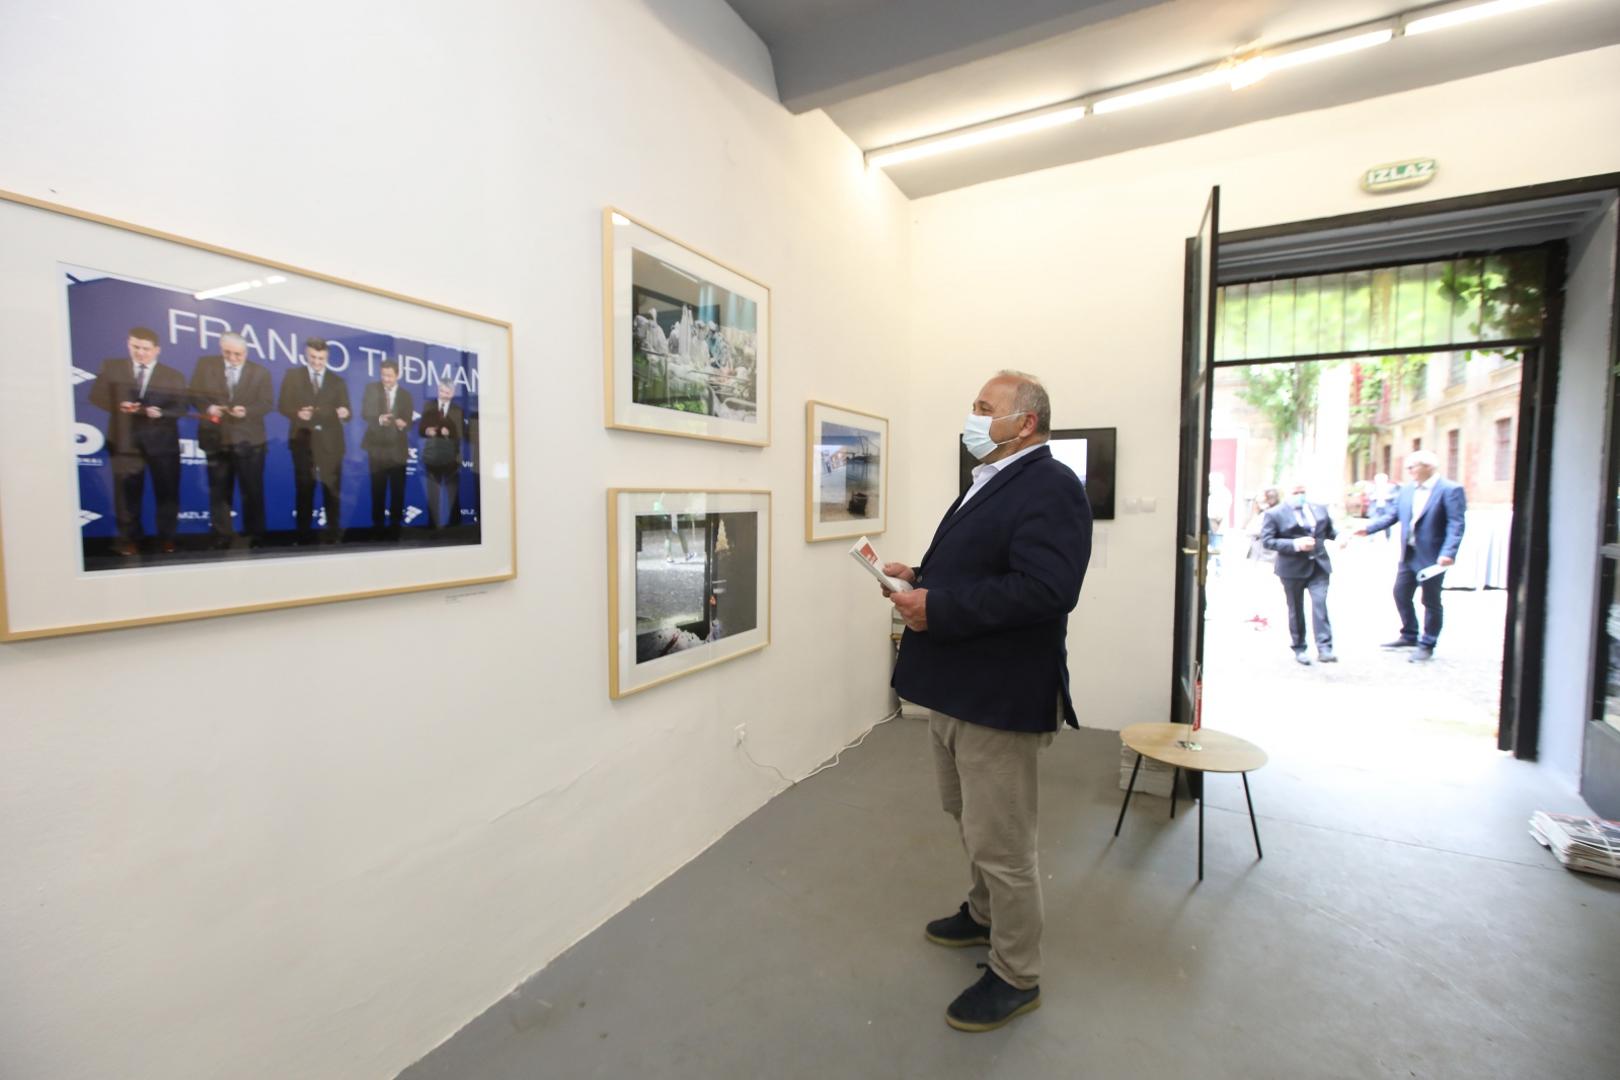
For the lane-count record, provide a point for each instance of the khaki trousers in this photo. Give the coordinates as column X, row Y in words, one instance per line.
column 987, row 782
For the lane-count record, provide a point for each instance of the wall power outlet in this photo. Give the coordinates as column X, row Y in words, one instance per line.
column 742, row 733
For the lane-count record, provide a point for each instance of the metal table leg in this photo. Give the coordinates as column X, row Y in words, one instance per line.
column 1128, row 789
column 1253, row 824
column 1174, row 777
column 1201, row 794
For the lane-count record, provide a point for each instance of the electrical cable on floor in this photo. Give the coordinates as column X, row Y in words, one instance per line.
column 825, row 765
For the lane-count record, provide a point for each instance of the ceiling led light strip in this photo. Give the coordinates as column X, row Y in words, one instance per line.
column 993, row 132
column 1472, row 13
column 1234, row 74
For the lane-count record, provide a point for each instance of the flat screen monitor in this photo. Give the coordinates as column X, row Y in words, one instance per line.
column 1088, row 451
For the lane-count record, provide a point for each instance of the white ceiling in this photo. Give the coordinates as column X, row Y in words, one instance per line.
column 891, row 70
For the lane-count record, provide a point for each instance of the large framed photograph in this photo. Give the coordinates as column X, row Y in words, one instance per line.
column 1088, row 451
column 195, row 432
column 688, row 339
column 689, row 582
column 846, row 473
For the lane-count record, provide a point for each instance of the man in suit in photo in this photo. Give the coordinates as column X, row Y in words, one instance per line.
column 144, row 401
column 985, row 651
column 315, row 402
column 1430, row 510
column 232, row 397
column 387, row 411
column 1298, row 531
column 443, row 420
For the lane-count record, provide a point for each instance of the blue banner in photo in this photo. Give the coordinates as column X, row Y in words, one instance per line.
column 121, row 442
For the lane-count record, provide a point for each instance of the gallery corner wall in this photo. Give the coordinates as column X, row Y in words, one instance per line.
column 316, row 842
column 1076, row 274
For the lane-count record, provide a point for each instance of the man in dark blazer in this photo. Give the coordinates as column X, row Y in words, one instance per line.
column 144, row 400
column 387, row 412
column 232, row 397
column 1298, row 531
column 315, row 402
column 442, row 419
column 985, row 651
column 1431, row 511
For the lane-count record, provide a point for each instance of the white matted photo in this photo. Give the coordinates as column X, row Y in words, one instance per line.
column 689, row 582
column 197, row 432
column 846, row 473
column 688, row 339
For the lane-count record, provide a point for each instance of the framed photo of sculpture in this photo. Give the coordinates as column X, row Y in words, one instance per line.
column 846, row 473
column 198, row 432
column 689, row 582
column 1088, row 451
column 688, row 339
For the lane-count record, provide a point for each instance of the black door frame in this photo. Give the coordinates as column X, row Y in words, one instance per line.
column 1519, row 724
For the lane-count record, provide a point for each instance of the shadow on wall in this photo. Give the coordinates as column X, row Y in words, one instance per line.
column 712, row 28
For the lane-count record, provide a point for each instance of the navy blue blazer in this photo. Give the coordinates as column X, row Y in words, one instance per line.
column 1002, row 576
column 1280, row 528
column 1439, row 531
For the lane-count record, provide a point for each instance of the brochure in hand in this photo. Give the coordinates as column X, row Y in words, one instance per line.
column 864, row 553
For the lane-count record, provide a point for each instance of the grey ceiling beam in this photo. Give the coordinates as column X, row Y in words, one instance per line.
column 884, row 44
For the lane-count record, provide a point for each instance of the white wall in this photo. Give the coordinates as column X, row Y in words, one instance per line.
column 1075, row 274
column 221, row 853
column 1575, row 508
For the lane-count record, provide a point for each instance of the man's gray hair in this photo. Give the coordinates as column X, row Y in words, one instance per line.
column 1030, row 397
column 237, row 339
column 1423, row 457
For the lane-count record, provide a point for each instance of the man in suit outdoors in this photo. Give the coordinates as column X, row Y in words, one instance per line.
column 144, row 401
column 443, row 420
column 1431, row 511
column 232, row 397
column 1298, row 531
column 315, row 402
column 985, row 651
column 386, row 410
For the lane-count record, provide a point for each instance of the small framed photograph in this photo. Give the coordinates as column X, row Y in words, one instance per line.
column 688, row 339
column 846, row 473
column 199, row 432
column 689, row 582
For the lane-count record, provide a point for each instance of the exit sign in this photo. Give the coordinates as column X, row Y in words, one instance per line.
column 1400, row 174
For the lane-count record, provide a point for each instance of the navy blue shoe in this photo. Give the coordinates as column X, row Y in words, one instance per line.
column 990, row 1003
column 957, row 931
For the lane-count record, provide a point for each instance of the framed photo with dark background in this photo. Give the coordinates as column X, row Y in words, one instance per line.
column 1088, row 451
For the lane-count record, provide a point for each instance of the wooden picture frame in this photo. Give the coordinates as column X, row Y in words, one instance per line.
column 846, row 482
column 689, row 582
column 686, row 339
column 113, row 512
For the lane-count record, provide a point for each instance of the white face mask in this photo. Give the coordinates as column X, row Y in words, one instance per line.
column 976, row 435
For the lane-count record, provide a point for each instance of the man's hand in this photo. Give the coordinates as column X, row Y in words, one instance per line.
column 1362, row 531
column 153, row 412
column 430, row 432
column 239, row 411
column 129, row 406
column 400, row 422
column 342, row 413
column 385, row 418
column 1305, row 543
column 913, row 607
column 307, row 412
column 216, row 411
column 1444, row 560
column 897, row 570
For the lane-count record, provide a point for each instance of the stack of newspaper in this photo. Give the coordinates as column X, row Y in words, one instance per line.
column 1588, row 844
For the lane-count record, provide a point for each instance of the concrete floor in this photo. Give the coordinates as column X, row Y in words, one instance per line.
column 1402, row 924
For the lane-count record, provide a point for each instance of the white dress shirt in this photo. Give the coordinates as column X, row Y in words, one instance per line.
column 983, row 474
column 1420, row 498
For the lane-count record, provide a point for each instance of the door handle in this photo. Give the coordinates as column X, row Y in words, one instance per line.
column 1189, row 551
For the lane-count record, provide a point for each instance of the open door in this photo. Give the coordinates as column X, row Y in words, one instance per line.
column 1192, row 523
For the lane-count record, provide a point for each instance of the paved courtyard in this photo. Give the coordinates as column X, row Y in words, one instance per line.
column 1251, row 682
